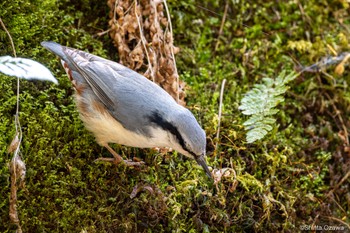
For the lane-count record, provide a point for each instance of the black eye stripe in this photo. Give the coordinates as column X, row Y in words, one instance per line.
column 166, row 125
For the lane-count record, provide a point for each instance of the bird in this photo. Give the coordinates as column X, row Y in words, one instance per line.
column 119, row 105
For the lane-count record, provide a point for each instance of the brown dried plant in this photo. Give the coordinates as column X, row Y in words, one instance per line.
column 17, row 167
column 142, row 33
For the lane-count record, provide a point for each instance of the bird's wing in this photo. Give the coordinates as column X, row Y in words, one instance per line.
column 79, row 61
column 129, row 97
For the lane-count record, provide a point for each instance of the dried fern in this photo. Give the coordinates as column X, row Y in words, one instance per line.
column 260, row 102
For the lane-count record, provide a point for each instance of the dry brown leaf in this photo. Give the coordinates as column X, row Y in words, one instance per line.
column 339, row 69
column 14, row 144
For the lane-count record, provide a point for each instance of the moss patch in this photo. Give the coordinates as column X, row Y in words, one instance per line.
column 292, row 178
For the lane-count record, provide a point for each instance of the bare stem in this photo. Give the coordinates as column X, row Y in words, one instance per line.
column 143, row 43
column 172, row 51
column 222, row 25
column 220, row 113
column 14, row 165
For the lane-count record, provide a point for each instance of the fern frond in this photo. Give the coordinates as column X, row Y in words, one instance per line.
column 260, row 104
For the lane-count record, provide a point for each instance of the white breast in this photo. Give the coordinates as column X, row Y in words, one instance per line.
column 108, row 130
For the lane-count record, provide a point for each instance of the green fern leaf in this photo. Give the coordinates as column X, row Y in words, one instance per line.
column 260, row 104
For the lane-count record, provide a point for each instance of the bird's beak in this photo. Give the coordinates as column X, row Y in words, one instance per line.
column 200, row 160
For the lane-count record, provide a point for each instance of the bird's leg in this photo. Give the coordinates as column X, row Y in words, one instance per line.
column 118, row 159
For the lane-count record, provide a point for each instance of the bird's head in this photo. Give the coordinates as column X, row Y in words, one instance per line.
column 185, row 134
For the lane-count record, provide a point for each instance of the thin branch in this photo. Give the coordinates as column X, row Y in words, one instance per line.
column 326, row 62
column 15, row 55
column 337, row 220
column 143, row 43
column 347, row 175
column 9, row 35
column 222, row 25
column 103, row 33
column 220, row 112
column 17, row 123
column 340, row 119
column 172, row 50
column 17, row 167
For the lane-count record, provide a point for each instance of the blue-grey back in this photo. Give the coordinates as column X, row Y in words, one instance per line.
column 129, row 97
column 135, row 98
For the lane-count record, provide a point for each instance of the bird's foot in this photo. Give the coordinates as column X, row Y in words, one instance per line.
column 118, row 161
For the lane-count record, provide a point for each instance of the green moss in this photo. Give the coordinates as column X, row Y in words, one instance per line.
column 279, row 183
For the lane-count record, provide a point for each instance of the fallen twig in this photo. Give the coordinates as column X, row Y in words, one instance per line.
column 325, row 62
column 221, row 26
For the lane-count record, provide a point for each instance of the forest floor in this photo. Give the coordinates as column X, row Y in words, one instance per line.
column 294, row 179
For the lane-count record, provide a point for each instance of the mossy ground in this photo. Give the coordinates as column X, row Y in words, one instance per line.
column 291, row 178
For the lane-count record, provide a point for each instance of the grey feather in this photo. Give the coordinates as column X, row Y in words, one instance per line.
column 115, row 86
column 136, row 103
column 100, row 89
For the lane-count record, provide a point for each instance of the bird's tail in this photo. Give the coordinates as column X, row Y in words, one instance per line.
column 66, row 60
column 55, row 48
